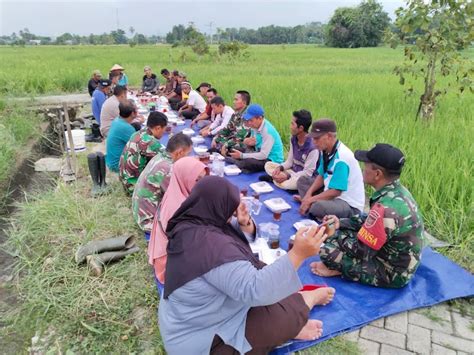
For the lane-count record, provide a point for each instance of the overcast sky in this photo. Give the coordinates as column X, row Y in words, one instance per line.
column 52, row 18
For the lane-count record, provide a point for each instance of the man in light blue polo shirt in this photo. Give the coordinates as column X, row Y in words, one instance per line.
column 338, row 188
column 264, row 139
column 119, row 134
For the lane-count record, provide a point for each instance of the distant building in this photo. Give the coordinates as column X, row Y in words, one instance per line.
column 34, row 42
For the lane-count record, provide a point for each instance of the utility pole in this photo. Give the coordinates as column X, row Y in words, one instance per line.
column 117, row 18
column 210, row 29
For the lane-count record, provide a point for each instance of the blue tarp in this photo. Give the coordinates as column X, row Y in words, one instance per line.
column 437, row 279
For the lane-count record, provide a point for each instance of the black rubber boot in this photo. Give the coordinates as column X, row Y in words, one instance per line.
column 99, row 246
column 95, row 135
column 93, row 164
column 102, row 173
column 96, row 262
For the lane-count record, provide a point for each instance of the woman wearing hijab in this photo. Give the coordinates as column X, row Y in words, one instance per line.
column 218, row 297
column 186, row 172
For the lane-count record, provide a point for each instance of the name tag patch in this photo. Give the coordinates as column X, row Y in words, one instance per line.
column 373, row 232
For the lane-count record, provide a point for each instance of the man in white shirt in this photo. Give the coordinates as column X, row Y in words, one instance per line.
column 222, row 115
column 195, row 104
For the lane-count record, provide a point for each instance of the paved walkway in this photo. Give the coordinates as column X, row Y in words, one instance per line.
column 437, row 330
column 57, row 99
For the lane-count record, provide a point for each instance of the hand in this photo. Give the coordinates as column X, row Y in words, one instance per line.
column 205, row 132
column 308, row 241
column 236, row 154
column 251, row 141
column 243, row 215
column 224, row 151
column 332, row 224
column 213, row 143
column 332, row 219
column 305, row 205
column 280, row 177
column 193, row 122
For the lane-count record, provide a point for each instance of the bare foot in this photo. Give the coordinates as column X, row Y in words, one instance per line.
column 319, row 297
column 320, row 269
column 312, row 330
column 297, row 198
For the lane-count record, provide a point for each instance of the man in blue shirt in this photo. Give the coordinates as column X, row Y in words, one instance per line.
column 120, row 132
column 98, row 98
column 264, row 138
column 338, row 188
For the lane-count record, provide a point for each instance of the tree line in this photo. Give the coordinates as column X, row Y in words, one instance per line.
column 360, row 26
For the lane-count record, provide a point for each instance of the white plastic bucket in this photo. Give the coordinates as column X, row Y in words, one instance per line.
column 78, row 138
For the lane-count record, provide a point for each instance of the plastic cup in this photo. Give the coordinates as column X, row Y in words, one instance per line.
column 277, row 216
column 274, row 239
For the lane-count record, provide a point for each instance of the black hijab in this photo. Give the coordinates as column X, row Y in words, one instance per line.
column 200, row 239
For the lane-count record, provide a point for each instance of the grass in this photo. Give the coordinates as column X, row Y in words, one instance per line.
column 17, row 127
column 84, row 313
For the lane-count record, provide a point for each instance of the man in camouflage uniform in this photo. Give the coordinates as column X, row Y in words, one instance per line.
column 383, row 249
column 142, row 146
column 154, row 180
column 235, row 133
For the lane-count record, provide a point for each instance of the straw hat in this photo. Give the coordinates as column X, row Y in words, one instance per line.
column 116, row 67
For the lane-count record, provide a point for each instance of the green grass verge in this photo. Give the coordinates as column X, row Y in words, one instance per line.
column 59, row 301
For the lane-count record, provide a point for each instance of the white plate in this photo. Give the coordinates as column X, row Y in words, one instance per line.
column 277, row 204
column 142, row 111
column 261, row 187
column 197, row 139
column 305, row 223
column 188, row 131
column 179, row 122
column 171, row 115
column 200, row 149
column 219, row 157
column 232, row 170
column 269, row 256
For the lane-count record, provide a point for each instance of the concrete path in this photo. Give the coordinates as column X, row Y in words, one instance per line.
column 435, row 330
column 57, row 99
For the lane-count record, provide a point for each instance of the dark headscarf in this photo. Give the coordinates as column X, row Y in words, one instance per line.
column 200, row 239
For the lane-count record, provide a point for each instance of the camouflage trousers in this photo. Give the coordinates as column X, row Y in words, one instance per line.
column 340, row 253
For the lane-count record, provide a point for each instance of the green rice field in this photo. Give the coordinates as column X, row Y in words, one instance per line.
column 356, row 87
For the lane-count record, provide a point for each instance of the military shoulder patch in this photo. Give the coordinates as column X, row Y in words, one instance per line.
column 373, row 232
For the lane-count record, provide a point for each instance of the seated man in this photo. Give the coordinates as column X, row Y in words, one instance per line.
column 150, row 82
column 302, row 157
column 94, row 81
column 154, row 180
column 264, row 138
column 123, row 78
column 383, row 249
column 110, row 108
column 169, row 84
column 204, row 119
column 338, row 189
column 175, row 98
column 142, row 146
column 234, row 134
column 222, row 115
column 195, row 104
column 120, row 132
column 99, row 96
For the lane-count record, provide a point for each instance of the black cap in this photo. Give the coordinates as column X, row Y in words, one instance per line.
column 207, row 85
column 105, row 83
column 322, row 126
column 385, row 155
